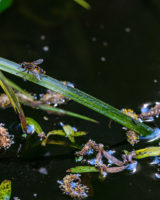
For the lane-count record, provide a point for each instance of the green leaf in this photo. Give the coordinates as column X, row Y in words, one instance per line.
column 4, row 4
column 80, row 97
column 54, row 132
column 63, row 143
column 79, row 133
column 5, row 190
column 36, row 126
column 69, row 132
column 147, row 152
column 83, row 3
column 65, row 112
column 83, row 169
column 66, row 132
column 13, row 99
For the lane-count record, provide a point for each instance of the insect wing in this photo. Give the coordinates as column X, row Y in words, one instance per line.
column 37, row 62
column 36, row 74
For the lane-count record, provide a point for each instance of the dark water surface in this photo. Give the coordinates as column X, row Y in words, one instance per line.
column 111, row 52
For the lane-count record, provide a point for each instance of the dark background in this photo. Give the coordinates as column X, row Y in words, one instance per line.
column 111, row 52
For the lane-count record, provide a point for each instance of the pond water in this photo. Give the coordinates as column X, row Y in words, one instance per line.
column 111, row 52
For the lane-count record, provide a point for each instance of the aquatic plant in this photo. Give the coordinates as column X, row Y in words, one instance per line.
column 102, row 161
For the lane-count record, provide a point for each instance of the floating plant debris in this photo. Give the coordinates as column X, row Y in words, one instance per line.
column 106, row 169
column 98, row 162
column 4, row 101
column 130, row 113
column 71, row 185
column 6, row 140
column 50, row 97
column 132, row 137
column 152, row 112
column 89, row 145
column 54, row 98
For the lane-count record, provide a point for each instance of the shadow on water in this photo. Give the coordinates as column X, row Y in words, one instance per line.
column 111, row 52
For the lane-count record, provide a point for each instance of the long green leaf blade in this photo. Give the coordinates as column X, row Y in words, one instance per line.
column 80, row 97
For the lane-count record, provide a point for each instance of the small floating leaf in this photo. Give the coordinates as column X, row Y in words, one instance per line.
column 5, row 190
column 54, row 132
column 147, row 152
column 83, row 169
column 69, row 132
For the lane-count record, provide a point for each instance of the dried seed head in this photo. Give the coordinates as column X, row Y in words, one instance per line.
column 4, row 101
column 130, row 113
column 154, row 111
column 71, row 185
column 132, row 137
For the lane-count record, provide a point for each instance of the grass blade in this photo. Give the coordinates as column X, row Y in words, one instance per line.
column 80, row 97
column 13, row 99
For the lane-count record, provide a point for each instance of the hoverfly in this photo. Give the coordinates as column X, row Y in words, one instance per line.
column 33, row 68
